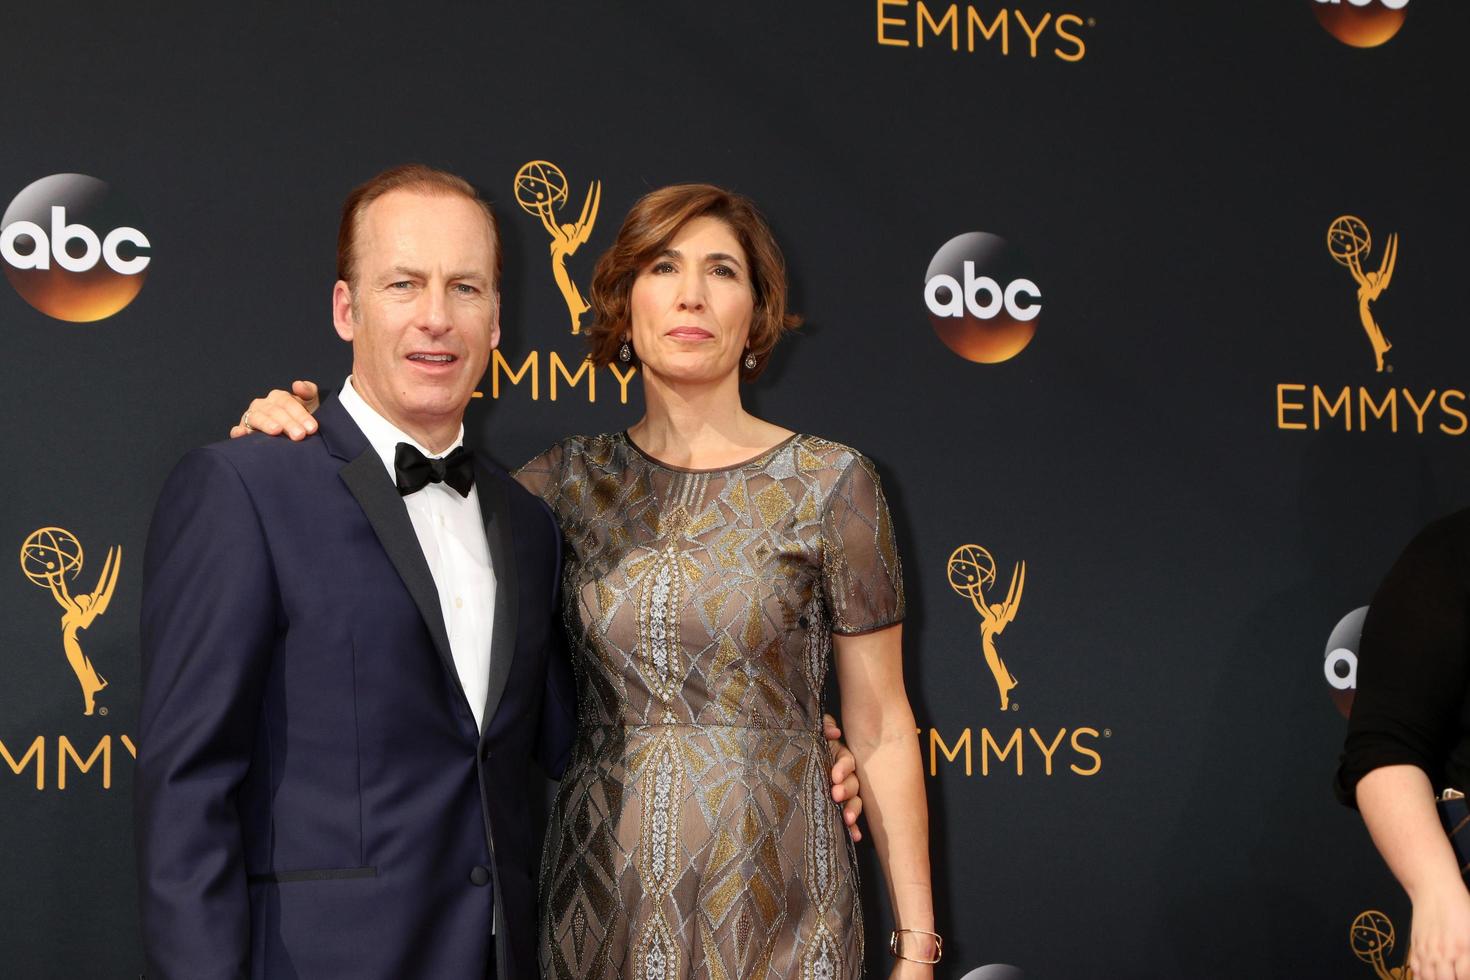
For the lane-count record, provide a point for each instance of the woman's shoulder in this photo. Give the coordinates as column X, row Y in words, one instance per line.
column 841, row 473
column 1455, row 526
column 1444, row 543
column 816, row 452
column 569, row 455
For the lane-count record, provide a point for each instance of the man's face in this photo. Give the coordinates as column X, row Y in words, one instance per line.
column 423, row 316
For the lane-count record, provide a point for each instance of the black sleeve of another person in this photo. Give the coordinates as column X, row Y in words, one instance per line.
column 1413, row 662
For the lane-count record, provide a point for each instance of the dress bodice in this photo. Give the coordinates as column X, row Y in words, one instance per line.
column 710, row 597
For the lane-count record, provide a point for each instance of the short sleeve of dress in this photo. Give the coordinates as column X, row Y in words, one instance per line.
column 860, row 568
column 1413, row 665
column 542, row 475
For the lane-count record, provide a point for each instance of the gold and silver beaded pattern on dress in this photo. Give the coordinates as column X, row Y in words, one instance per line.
column 694, row 834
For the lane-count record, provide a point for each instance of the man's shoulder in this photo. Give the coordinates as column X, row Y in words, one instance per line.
column 258, row 453
column 262, row 464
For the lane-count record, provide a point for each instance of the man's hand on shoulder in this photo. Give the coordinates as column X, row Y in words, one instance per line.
column 845, row 788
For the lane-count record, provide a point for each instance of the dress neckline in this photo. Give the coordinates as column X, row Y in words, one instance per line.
column 763, row 454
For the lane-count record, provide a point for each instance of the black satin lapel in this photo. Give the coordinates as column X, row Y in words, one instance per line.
column 495, row 512
column 368, row 480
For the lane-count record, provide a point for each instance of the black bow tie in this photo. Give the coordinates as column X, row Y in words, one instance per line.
column 413, row 471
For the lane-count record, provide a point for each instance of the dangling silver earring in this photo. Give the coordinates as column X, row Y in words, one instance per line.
column 625, row 353
column 750, row 361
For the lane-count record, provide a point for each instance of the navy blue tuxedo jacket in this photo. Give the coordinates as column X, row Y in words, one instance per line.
column 313, row 798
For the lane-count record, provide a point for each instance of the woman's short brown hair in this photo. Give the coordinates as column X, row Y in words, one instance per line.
column 649, row 228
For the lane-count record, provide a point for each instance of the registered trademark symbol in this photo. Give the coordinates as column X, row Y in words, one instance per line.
column 1015, row 706
column 102, row 711
column 1092, row 22
column 1107, row 733
column 1388, row 368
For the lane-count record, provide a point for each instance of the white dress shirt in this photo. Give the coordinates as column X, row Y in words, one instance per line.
column 452, row 537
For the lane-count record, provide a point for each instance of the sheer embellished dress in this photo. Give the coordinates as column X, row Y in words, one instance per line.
column 694, row 832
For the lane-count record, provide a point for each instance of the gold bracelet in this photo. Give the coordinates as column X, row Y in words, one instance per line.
column 894, row 944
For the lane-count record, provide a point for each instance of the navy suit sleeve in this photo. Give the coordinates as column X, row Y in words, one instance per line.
column 558, row 704
column 209, row 618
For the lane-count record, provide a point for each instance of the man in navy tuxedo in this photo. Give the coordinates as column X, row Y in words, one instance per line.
column 350, row 652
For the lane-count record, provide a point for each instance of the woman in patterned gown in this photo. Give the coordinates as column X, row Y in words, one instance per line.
column 714, row 564
column 716, row 567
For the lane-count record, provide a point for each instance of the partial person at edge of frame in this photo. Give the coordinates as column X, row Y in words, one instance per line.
column 1408, row 737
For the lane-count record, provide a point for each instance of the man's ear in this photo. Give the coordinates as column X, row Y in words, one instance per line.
column 495, row 323
column 342, row 316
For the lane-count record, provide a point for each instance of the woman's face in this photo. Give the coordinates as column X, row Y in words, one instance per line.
column 691, row 306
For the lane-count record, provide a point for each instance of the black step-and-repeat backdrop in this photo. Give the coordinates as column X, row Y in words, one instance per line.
column 1150, row 313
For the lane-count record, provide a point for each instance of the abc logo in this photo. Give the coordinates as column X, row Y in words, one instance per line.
column 1340, row 665
column 980, row 303
column 71, row 247
column 1361, row 23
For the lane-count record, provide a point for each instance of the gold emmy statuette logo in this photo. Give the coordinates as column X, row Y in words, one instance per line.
column 1349, row 242
column 541, row 190
column 1372, row 940
column 48, row 558
column 971, row 573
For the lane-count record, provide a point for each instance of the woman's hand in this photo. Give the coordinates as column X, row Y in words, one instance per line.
column 1440, row 945
column 279, row 412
